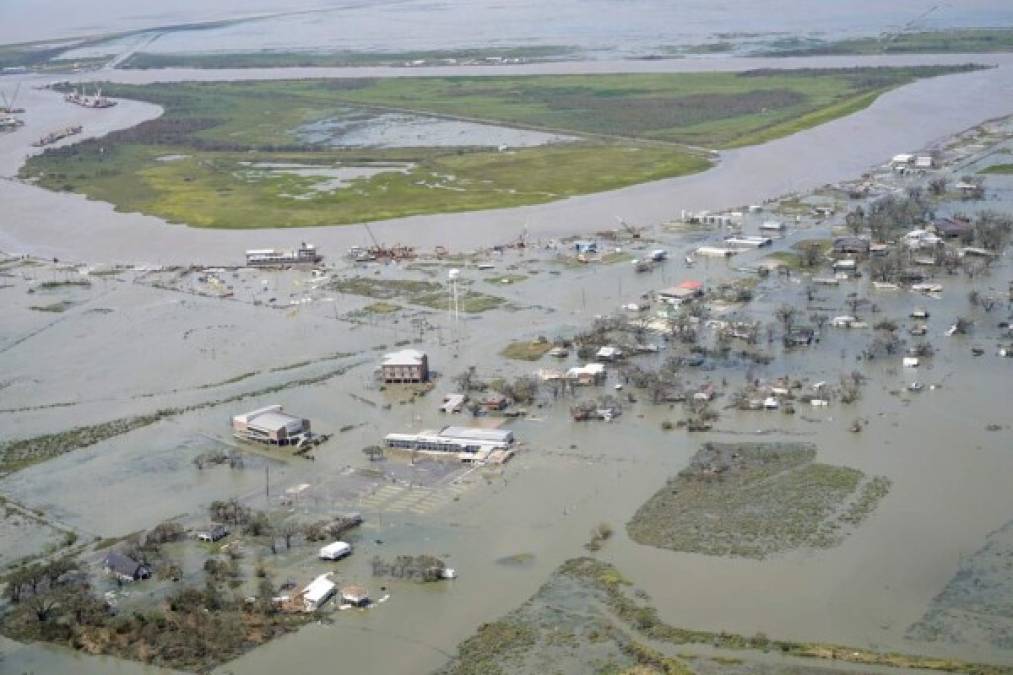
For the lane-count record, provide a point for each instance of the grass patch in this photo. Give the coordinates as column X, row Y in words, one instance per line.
column 55, row 307
column 507, row 279
column 337, row 59
column 425, row 293
column 753, row 500
column 957, row 41
column 644, row 619
column 381, row 308
column 526, row 351
column 53, row 285
column 785, row 258
column 998, row 168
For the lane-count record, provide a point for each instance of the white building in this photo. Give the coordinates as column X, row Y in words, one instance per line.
column 454, row 440
column 317, row 593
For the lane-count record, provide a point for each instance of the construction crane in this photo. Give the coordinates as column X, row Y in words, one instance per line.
column 8, row 106
column 633, row 230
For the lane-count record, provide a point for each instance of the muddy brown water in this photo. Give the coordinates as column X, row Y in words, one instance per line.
column 950, row 475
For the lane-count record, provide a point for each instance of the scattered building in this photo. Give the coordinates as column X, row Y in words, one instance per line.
column 592, row 373
column 317, row 592
column 748, row 241
column 213, row 533
column 585, row 247
column 494, row 401
column 273, row 426
column 950, row 228
column 465, row 442
column 125, row 568
column 687, row 290
column 772, row 226
column 353, row 595
column 335, row 551
column 799, row 337
column 851, row 246
column 269, row 257
column 453, row 403
column 408, row 366
column 609, row 353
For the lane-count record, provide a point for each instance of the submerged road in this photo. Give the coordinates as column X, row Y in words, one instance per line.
column 68, row 226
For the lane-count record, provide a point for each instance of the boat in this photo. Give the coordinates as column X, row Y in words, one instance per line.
column 85, row 101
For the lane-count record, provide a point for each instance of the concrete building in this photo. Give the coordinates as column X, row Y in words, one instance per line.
column 453, row 440
column 271, row 425
column 408, row 366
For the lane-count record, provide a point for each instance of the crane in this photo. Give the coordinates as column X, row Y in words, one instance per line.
column 8, row 104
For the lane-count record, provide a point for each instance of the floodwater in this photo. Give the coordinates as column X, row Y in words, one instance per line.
column 911, row 117
column 597, row 28
column 950, row 475
column 404, row 130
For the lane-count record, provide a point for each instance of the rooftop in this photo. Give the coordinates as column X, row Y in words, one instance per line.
column 405, row 357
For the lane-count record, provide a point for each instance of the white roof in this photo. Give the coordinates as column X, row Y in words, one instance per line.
column 405, row 357
column 335, row 547
column 483, row 435
column 318, row 589
column 271, row 418
column 902, row 158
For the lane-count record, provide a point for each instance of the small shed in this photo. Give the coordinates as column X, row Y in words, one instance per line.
column 354, row 595
column 317, row 592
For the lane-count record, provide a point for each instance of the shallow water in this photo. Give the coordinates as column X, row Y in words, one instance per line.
column 401, row 130
column 602, row 28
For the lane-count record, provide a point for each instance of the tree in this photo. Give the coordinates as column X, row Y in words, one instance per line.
column 466, row 381
column 373, row 452
column 937, row 186
column 855, row 221
column 810, row 253
column 786, row 315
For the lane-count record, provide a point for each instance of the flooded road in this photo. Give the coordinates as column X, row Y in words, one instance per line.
column 911, row 117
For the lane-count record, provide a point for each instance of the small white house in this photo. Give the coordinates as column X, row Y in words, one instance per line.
column 335, row 551
column 609, row 353
column 317, row 592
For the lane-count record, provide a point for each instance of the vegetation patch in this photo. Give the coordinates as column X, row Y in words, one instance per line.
column 998, row 168
column 587, row 618
column 632, row 128
column 338, row 59
column 956, row 41
column 55, row 307
column 523, row 350
column 425, row 293
column 975, row 606
column 754, row 500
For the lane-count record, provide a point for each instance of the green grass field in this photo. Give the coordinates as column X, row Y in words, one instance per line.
column 196, row 164
column 330, row 59
column 956, row 41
